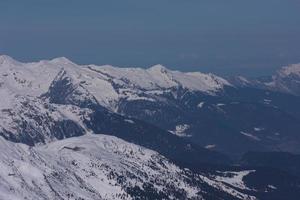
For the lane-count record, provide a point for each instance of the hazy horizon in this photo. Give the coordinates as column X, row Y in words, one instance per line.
column 226, row 38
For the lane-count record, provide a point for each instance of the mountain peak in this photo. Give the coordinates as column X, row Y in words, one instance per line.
column 158, row 67
column 61, row 60
column 4, row 59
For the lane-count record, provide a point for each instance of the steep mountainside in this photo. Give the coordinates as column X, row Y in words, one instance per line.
column 101, row 167
column 277, row 160
column 235, row 121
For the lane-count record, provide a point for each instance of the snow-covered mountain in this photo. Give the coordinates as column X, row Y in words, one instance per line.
column 286, row 79
column 103, row 167
column 106, row 83
column 61, row 94
column 161, row 129
column 167, row 99
column 159, row 96
column 57, row 99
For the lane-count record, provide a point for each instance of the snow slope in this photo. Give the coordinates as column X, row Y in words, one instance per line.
column 97, row 167
column 31, row 120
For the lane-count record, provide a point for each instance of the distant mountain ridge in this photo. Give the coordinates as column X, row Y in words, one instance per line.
column 286, row 79
column 114, row 83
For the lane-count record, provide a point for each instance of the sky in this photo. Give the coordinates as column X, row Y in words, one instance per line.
column 229, row 37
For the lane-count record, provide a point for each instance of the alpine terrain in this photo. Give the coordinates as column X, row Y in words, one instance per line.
column 73, row 131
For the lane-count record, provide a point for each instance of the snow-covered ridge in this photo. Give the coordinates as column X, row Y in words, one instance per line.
column 290, row 69
column 159, row 76
column 28, row 78
column 106, row 83
column 286, row 79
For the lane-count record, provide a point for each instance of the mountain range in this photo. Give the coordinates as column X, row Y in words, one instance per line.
column 101, row 132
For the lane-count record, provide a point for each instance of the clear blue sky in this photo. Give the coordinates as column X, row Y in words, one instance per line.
column 223, row 36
